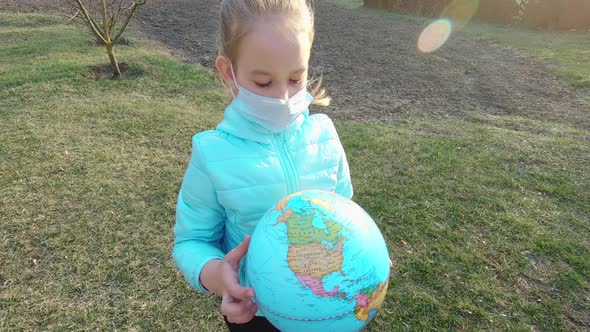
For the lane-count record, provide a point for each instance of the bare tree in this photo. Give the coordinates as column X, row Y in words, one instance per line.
column 113, row 18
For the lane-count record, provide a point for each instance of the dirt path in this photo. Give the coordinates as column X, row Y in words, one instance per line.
column 372, row 69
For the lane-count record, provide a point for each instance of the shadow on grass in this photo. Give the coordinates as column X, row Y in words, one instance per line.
column 105, row 72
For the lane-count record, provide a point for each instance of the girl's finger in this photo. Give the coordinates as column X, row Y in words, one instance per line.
column 235, row 256
column 237, row 311
column 239, row 292
column 250, row 309
column 232, row 286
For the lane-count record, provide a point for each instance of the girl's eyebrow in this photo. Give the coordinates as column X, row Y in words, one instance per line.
column 265, row 73
column 260, row 72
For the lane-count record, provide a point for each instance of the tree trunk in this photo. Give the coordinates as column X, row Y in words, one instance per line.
column 114, row 63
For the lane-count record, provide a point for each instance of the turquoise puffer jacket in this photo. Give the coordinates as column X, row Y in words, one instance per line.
column 240, row 170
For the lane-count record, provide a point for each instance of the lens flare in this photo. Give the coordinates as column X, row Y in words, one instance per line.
column 435, row 35
column 460, row 12
column 454, row 17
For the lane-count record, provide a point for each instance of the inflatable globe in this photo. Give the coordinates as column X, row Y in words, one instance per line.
column 317, row 262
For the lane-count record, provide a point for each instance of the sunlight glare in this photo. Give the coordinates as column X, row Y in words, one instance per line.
column 435, row 35
column 460, row 12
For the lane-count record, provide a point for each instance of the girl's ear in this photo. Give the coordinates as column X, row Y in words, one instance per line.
column 224, row 68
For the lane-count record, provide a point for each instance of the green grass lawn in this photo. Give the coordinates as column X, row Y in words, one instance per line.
column 569, row 52
column 488, row 226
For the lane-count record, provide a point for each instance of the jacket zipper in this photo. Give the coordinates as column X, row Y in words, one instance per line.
column 287, row 163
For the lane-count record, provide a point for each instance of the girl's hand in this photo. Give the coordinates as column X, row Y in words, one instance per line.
column 236, row 302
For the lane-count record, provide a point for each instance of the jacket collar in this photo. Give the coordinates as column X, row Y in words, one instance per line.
column 237, row 125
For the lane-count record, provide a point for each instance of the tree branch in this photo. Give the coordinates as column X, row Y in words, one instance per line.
column 73, row 17
column 95, row 28
column 105, row 23
column 129, row 16
column 116, row 15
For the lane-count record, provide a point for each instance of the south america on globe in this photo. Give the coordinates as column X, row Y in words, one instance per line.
column 317, row 262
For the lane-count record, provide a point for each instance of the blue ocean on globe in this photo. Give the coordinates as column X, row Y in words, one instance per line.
column 317, row 262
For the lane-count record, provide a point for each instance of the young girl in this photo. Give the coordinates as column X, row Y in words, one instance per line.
column 266, row 147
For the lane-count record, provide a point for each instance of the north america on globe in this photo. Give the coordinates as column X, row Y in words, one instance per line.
column 315, row 250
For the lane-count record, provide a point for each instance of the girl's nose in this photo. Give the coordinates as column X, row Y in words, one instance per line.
column 282, row 93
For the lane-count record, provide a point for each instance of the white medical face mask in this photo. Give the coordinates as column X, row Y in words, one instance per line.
column 271, row 113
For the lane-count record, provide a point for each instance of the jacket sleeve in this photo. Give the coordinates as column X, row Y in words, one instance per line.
column 344, row 184
column 200, row 222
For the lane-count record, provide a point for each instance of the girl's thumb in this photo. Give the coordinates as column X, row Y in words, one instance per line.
column 238, row 252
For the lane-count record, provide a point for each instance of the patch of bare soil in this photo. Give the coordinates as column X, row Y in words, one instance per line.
column 372, row 69
column 31, row 6
column 105, row 72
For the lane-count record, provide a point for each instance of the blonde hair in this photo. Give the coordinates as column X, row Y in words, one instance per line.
column 236, row 17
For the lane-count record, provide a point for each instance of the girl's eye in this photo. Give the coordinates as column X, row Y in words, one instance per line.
column 296, row 81
column 263, row 85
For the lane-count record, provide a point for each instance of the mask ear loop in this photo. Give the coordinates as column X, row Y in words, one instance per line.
column 235, row 80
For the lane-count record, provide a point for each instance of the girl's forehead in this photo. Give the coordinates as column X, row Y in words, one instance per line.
column 274, row 44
